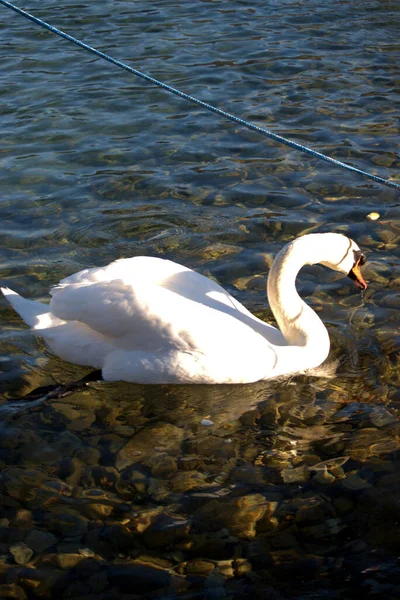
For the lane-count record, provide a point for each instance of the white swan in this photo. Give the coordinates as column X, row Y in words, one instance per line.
column 150, row 320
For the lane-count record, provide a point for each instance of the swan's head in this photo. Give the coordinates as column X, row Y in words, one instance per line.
column 346, row 257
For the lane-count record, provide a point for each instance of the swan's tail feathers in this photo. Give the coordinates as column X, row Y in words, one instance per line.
column 35, row 314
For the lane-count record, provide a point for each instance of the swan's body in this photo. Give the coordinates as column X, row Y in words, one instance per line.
column 150, row 320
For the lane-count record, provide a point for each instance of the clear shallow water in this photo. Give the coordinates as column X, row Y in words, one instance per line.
column 293, row 488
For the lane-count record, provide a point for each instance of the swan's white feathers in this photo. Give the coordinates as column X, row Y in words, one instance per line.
column 106, row 306
column 154, row 303
column 77, row 343
column 158, row 321
column 150, row 320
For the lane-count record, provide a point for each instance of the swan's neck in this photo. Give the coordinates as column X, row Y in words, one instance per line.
column 299, row 324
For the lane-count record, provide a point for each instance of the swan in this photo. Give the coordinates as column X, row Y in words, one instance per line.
column 151, row 320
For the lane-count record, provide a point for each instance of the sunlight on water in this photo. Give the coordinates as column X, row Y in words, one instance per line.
column 284, row 489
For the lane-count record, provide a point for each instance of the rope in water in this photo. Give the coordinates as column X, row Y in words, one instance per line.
column 218, row 111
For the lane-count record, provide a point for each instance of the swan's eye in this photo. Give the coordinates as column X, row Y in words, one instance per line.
column 359, row 258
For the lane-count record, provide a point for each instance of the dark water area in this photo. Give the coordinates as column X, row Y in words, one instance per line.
column 274, row 490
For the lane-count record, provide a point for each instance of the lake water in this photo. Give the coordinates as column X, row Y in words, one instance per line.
column 120, row 491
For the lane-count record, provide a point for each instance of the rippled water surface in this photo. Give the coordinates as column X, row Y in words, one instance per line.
column 272, row 490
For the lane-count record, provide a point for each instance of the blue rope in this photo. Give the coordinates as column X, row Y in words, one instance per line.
column 218, row 111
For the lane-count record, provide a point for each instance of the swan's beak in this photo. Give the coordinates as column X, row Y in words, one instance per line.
column 356, row 275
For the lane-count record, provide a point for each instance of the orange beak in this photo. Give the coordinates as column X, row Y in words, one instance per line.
column 356, row 275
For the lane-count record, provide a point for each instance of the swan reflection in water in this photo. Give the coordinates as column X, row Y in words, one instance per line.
column 279, row 422
column 196, row 409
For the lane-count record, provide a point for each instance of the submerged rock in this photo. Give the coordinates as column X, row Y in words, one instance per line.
column 68, row 525
column 40, row 540
column 196, row 566
column 379, row 509
column 129, row 575
column 23, row 519
column 241, row 515
column 21, row 552
column 166, row 530
column 12, row 591
column 159, row 437
column 187, row 480
column 61, row 560
column 163, row 465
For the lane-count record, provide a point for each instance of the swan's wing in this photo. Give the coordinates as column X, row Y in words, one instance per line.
column 105, row 306
column 114, row 300
column 146, row 315
column 148, row 270
column 143, row 268
column 154, row 303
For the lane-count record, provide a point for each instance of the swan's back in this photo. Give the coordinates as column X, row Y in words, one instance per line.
column 145, row 277
column 155, row 271
column 151, row 320
column 163, row 321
